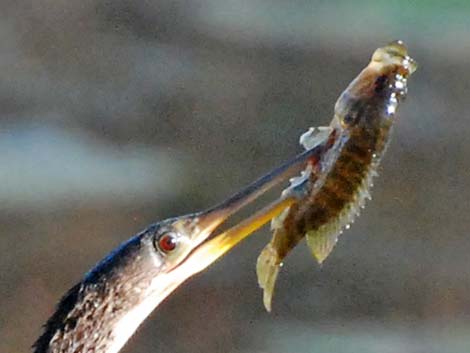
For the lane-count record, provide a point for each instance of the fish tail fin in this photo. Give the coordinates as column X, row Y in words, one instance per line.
column 267, row 269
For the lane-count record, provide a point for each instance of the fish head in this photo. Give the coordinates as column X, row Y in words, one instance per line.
column 373, row 96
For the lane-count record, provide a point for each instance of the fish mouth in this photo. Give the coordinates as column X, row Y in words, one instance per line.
column 395, row 53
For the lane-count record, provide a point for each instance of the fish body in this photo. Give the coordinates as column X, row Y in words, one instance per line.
column 334, row 188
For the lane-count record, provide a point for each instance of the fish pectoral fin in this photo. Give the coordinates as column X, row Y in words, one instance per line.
column 322, row 241
column 267, row 269
column 315, row 136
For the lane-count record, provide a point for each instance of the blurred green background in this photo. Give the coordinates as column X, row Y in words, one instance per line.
column 116, row 114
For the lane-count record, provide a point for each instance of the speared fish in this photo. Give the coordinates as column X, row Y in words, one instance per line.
column 334, row 187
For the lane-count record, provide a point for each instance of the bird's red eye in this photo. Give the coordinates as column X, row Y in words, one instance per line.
column 167, row 242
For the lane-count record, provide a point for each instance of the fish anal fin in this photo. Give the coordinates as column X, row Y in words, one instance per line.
column 322, row 242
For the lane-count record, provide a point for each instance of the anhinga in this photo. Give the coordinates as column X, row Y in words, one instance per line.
column 100, row 313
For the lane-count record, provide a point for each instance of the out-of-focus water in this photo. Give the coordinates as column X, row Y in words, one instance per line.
column 117, row 114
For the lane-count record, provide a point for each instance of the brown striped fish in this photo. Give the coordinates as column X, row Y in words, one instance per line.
column 332, row 189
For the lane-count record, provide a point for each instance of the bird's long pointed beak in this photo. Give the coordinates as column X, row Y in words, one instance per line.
column 211, row 247
column 216, row 246
column 209, row 220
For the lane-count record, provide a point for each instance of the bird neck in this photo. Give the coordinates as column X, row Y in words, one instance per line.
column 103, row 311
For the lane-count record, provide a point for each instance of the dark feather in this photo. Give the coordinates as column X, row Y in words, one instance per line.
column 58, row 320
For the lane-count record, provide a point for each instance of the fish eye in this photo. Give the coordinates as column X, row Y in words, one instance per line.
column 349, row 119
column 167, row 242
